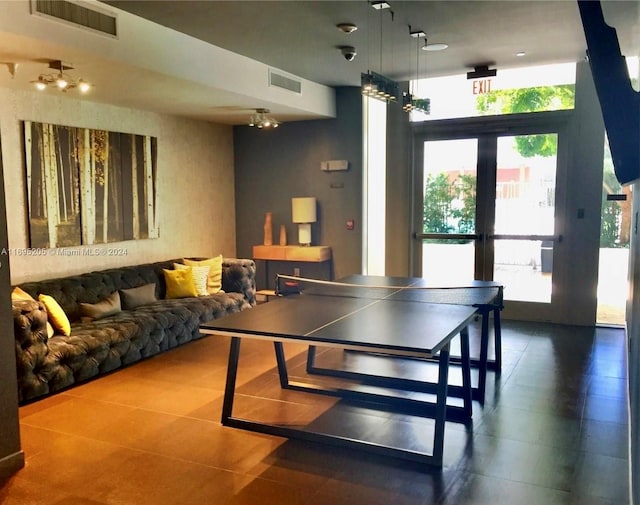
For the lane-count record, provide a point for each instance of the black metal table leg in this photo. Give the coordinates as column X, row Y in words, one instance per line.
column 311, row 358
column 497, row 330
column 465, row 364
column 230, row 385
column 441, row 405
column 484, row 351
column 282, row 365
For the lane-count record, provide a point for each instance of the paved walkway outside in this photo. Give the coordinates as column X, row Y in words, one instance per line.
column 527, row 282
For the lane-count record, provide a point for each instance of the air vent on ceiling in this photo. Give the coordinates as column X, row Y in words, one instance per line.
column 284, row 82
column 76, row 14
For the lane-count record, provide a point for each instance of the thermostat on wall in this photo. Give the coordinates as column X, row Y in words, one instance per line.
column 334, row 165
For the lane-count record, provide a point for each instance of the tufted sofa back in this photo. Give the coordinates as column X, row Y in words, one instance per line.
column 92, row 287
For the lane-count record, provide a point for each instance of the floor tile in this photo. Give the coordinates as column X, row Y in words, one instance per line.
column 551, row 431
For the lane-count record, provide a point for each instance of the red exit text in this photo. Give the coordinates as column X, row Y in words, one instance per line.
column 481, row 86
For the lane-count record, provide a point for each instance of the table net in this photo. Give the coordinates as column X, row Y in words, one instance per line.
column 413, row 291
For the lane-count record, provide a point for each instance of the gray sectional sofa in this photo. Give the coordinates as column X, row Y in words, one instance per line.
column 46, row 365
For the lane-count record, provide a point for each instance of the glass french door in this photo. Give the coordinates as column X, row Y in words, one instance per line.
column 524, row 220
column 449, row 210
column 488, row 212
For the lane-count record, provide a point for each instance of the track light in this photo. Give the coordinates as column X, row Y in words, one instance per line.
column 60, row 79
column 262, row 120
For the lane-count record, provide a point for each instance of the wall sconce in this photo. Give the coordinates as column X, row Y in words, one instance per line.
column 303, row 212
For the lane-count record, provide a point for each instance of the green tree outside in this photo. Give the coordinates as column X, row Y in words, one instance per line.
column 611, row 211
column 437, row 204
column 466, row 215
column 449, row 206
column 537, row 99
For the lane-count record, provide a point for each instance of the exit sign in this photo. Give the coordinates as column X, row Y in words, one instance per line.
column 481, row 86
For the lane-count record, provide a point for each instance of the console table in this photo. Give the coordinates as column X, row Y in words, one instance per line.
column 303, row 261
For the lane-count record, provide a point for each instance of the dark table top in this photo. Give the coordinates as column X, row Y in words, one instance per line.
column 392, row 321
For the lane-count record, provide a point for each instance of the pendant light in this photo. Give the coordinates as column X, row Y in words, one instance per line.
column 411, row 103
column 375, row 85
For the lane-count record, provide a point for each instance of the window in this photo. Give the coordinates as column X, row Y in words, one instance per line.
column 532, row 89
column 374, row 190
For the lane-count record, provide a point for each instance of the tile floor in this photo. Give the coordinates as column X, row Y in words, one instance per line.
column 552, row 431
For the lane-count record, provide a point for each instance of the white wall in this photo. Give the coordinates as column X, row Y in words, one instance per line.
column 194, row 174
column 147, row 63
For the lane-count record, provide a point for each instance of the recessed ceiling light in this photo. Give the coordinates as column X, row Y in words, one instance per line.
column 436, row 46
column 520, row 54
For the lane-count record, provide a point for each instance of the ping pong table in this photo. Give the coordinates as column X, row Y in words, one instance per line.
column 485, row 296
column 393, row 321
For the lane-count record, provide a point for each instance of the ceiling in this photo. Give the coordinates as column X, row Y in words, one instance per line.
column 301, row 38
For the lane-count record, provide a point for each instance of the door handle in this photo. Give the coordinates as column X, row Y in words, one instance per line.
column 505, row 236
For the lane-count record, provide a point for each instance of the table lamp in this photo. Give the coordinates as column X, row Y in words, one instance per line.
column 303, row 212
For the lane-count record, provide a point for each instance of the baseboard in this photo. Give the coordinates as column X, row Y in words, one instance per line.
column 11, row 464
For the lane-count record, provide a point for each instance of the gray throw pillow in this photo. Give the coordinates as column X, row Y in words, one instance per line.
column 104, row 308
column 134, row 297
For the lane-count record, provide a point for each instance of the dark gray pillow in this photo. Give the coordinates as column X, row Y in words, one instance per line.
column 104, row 308
column 134, row 297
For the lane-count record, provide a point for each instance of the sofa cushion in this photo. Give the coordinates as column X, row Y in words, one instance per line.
column 19, row 295
column 199, row 274
column 104, row 308
column 56, row 315
column 134, row 297
column 179, row 283
column 214, row 280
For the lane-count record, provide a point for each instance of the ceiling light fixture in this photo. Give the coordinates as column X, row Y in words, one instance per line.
column 346, row 27
column 411, row 103
column 60, row 79
column 434, row 46
column 376, row 85
column 379, row 87
column 262, row 120
column 380, row 5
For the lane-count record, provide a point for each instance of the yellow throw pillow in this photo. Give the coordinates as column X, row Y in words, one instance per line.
column 200, row 276
column 18, row 295
column 214, row 279
column 57, row 317
column 179, row 283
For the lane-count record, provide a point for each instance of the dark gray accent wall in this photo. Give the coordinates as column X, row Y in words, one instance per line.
column 11, row 456
column 273, row 166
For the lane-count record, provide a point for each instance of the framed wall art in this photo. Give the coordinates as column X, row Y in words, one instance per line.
column 88, row 186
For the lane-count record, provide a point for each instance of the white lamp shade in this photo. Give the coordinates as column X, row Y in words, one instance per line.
column 303, row 210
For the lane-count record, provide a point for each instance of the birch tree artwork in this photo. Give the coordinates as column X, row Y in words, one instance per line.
column 89, row 186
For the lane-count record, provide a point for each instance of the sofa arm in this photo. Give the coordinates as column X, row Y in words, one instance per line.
column 239, row 275
column 30, row 331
